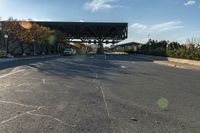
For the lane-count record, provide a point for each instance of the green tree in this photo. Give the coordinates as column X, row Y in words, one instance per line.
column 25, row 32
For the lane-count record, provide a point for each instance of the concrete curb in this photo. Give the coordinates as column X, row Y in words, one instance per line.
column 184, row 61
column 171, row 62
column 175, row 60
column 27, row 58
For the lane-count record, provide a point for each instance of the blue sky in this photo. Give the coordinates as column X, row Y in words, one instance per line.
column 174, row 20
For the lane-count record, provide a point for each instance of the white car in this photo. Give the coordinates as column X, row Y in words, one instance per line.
column 69, row 51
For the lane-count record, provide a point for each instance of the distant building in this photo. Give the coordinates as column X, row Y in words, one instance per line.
column 131, row 46
column 82, row 47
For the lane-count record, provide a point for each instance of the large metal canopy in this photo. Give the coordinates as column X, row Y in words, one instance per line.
column 90, row 30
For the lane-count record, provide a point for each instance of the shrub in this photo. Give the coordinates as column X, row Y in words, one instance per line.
column 2, row 53
column 174, row 50
column 193, row 54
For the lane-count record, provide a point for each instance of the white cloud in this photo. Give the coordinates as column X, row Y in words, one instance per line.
column 138, row 26
column 81, row 20
column 39, row 19
column 166, row 26
column 145, row 39
column 97, row 5
column 157, row 28
column 196, row 32
column 190, row 3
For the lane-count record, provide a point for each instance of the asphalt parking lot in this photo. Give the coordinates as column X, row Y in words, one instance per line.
column 97, row 94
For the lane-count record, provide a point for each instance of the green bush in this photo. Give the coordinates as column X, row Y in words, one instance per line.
column 2, row 53
column 193, row 54
column 158, row 52
column 174, row 50
column 131, row 50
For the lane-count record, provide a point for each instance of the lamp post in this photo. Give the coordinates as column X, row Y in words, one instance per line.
column 0, row 30
column 4, row 35
column 34, row 48
column 6, row 41
column 167, row 48
column 149, row 47
column 149, row 43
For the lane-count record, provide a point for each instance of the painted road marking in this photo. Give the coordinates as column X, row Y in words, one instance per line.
column 124, row 67
column 20, row 115
column 106, row 104
column 19, row 104
column 18, row 71
column 31, row 112
column 44, row 81
column 133, row 62
column 96, row 76
column 51, row 117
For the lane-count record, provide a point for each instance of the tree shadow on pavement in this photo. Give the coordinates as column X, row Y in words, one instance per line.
column 136, row 58
column 22, row 62
column 76, row 66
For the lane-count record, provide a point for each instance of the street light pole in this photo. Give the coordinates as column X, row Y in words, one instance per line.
column 150, row 48
column 49, row 49
column 0, row 30
column 4, row 35
column 149, row 43
column 167, row 48
column 6, row 41
column 34, row 47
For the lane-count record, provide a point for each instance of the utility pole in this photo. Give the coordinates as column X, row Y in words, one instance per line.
column 149, row 37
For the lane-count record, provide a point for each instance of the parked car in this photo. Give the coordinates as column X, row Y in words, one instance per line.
column 69, row 51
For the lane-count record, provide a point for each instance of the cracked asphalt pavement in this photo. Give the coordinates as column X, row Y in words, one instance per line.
column 97, row 94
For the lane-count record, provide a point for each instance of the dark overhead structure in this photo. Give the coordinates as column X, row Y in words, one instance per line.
column 91, row 32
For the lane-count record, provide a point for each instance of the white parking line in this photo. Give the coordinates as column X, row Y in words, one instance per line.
column 20, row 115
column 96, row 76
column 44, row 81
column 33, row 114
column 107, row 110
column 18, row 71
column 133, row 62
column 124, row 67
column 51, row 117
column 19, row 104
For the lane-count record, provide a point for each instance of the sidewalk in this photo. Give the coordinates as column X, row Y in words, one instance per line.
column 171, row 62
column 26, row 58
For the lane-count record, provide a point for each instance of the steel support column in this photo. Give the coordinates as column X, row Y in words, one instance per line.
column 100, row 49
